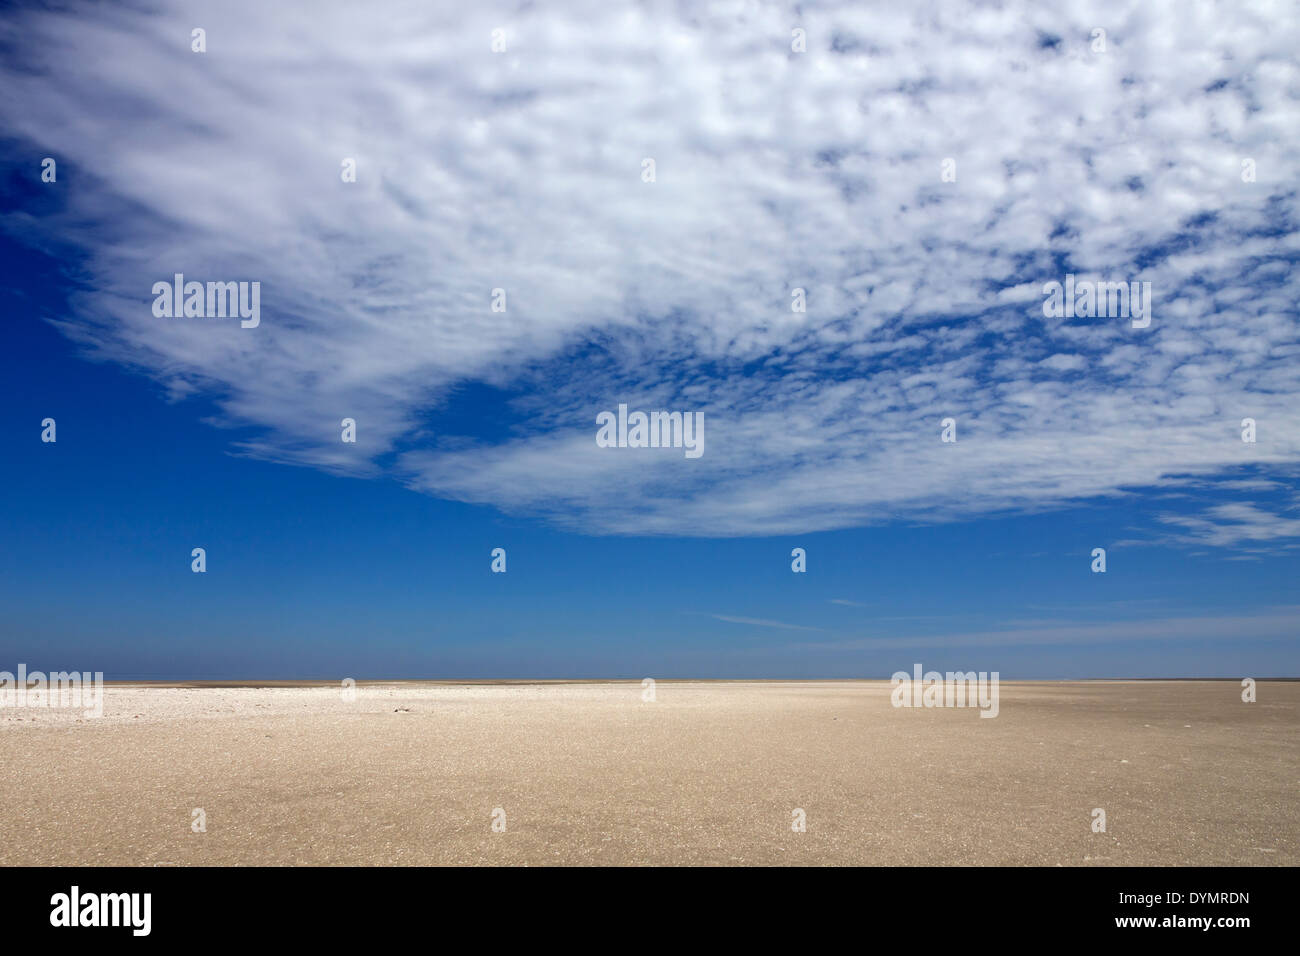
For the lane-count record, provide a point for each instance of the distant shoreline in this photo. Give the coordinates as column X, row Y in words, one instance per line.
column 527, row 681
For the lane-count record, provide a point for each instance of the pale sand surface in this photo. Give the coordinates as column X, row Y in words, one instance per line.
column 709, row 773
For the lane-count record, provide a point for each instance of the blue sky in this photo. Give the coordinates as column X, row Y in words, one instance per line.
column 775, row 170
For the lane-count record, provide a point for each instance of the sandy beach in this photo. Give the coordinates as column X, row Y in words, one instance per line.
column 706, row 773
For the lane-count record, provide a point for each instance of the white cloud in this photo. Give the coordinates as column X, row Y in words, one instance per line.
column 762, row 622
column 1275, row 624
column 521, row 170
column 1237, row 523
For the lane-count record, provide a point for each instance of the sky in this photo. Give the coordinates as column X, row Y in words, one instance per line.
column 559, row 209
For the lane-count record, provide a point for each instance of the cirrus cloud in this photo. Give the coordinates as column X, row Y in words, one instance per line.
column 775, row 170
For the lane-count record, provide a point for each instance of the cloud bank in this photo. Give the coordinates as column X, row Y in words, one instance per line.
column 775, row 170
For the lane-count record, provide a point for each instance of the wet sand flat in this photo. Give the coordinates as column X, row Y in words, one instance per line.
column 707, row 773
